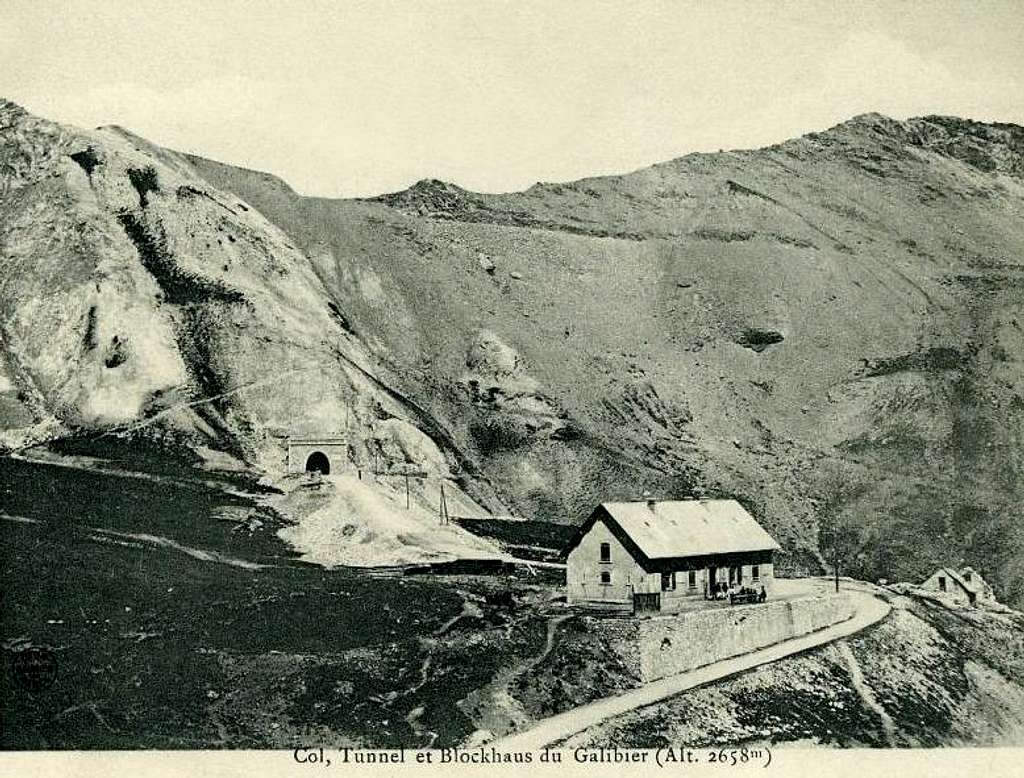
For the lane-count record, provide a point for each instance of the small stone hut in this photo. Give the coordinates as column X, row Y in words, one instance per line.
column 959, row 587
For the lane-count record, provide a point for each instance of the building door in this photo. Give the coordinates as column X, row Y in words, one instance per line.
column 644, row 602
column 712, row 581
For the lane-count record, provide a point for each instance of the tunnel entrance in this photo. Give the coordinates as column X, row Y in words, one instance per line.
column 318, row 463
column 324, row 454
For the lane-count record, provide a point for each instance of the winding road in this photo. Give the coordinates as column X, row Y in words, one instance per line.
column 868, row 610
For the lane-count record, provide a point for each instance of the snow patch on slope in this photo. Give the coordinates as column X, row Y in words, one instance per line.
column 364, row 523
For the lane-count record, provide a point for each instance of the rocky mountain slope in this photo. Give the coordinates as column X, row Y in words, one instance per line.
column 828, row 329
column 139, row 301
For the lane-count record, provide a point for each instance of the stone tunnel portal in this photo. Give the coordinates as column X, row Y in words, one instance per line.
column 325, row 455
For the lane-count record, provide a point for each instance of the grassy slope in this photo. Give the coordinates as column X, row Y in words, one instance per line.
column 155, row 648
column 890, row 271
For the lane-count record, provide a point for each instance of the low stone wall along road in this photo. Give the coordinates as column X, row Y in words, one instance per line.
column 867, row 610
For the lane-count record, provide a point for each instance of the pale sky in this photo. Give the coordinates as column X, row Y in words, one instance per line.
column 357, row 98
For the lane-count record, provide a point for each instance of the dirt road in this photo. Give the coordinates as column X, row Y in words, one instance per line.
column 868, row 610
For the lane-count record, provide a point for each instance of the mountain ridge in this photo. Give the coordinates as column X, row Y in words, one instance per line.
column 827, row 328
column 910, row 128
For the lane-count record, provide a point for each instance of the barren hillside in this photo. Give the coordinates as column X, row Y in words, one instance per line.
column 827, row 327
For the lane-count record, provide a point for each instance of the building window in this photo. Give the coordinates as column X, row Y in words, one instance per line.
column 942, row 584
column 668, row 582
column 692, row 582
column 755, row 572
column 606, row 578
column 967, row 577
column 606, row 552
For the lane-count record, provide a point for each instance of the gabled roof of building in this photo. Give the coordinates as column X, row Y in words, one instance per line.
column 954, row 576
column 673, row 529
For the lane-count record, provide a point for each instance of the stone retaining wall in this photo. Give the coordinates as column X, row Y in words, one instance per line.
column 667, row 645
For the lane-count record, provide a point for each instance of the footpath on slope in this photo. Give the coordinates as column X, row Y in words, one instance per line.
column 868, row 610
column 98, row 466
column 99, row 533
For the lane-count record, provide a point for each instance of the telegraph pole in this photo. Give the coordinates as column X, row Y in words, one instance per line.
column 835, row 560
column 443, row 508
column 833, row 540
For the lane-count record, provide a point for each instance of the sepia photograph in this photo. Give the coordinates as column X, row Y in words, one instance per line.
column 510, row 385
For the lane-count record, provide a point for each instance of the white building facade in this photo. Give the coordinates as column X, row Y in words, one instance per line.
column 656, row 556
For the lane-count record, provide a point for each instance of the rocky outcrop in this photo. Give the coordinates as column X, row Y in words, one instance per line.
column 137, row 298
column 510, row 407
column 758, row 340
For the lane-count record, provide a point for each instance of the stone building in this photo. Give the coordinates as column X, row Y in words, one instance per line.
column 657, row 556
column 959, row 587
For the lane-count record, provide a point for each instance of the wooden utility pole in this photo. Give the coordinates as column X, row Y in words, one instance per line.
column 443, row 507
column 834, row 540
column 835, row 563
